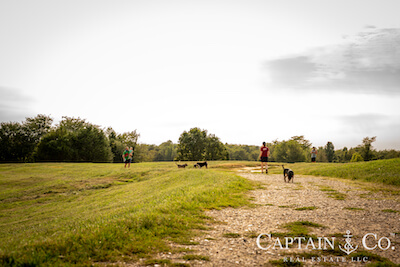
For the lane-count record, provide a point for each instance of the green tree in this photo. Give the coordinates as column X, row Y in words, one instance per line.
column 198, row 145
column 388, row 154
column 356, row 157
column 289, row 151
column 145, row 153
column 116, row 145
column 242, row 152
column 18, row 141
column 296, row 151
column 215, row 149
column 330, row 151
column 305, row 144
column 56, row 146
column 74, row 139
column 191, row 145
column 343, row 155
column 322, row 156
column 166, row 151
column 366, row 149
column 11, row 141
column 91, row 144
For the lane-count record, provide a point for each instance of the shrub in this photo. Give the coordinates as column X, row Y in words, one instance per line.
column 356, row 157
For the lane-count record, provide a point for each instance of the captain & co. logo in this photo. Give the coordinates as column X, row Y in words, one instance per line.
column 369, row 241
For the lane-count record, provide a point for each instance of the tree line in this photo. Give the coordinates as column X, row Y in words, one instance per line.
column 73, row 139
column 76, row 140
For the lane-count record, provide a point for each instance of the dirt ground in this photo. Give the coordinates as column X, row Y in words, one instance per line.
column 337, row 205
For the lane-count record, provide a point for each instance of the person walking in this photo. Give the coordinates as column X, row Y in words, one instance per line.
column 264, row 154
column 314, row 153
column 127, row 157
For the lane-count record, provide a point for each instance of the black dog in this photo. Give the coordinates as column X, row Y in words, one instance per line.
column 201, row 164
column 181, row 165
column 288, row 173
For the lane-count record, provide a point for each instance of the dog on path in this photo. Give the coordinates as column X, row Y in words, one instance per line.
column 288, row 173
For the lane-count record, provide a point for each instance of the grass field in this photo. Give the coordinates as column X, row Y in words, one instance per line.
column 61, row 214
column 379, row 171
column 65, row 214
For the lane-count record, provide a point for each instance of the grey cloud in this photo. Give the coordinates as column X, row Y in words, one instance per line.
column 365, row 123
column 292, row 72
column 370, row 27
column 11, row 94
column 367, row 63
column 386, row 128
column 14, row 106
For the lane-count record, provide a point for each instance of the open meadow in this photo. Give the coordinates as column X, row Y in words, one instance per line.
column 62, row 214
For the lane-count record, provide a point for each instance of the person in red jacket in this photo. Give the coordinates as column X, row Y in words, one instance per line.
column 264, row 154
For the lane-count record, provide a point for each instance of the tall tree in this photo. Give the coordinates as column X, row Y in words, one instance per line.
column 215, row 149
column 18, row 141
column 330, row 151
column 366, row 148
column 289, row 151
column 198, row 145
column 166, row 151
column 305, row 144
column 74, row 139
column 191, row 145
column 11, row 147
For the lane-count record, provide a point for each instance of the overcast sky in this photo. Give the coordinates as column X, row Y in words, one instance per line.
column 247, row 71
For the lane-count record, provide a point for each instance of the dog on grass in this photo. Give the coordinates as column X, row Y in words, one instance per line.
column 288, row 173
column 201, row 164
column 181, row 165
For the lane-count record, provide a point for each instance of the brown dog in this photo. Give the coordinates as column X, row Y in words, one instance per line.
column 181, row 165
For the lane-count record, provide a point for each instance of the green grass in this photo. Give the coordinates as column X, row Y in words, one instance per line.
column 353, row 208
column 153, row 262
column 191, row 257
column 332, row 193
column 62, row 214
column 231, row 235
column 307, row 208
column 301, row 228
column 282, row 263
column 297, row 228
column 379, row 171
column 337, row 195
column 390, row 211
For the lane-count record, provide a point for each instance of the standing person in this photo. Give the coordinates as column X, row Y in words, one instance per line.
column 264, row 154
column 126, row 157
column 314, row 153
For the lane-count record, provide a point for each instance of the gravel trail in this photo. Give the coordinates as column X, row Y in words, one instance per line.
column 338, row 205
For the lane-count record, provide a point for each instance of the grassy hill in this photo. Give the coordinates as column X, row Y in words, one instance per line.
column 64, row 213
column 61, row 214
column 379, row 171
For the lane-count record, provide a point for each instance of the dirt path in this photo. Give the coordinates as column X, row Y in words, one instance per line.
column 336, row 204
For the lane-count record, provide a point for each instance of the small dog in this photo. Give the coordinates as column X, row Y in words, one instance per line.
column 201, row 164
column 288, row 173
column 181, row 165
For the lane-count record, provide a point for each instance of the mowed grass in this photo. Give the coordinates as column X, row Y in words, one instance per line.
column 61, row 214
column 379, row 171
